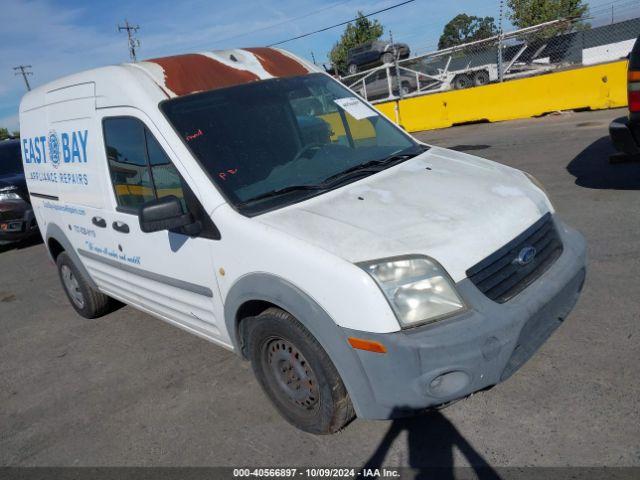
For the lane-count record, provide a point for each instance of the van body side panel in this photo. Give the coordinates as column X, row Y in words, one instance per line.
column 168, row 274
column 346, row 292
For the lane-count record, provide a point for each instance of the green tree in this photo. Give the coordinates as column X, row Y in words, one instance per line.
column 356, row 33
column 465, row 28
column 4, row 133
column 526, row 13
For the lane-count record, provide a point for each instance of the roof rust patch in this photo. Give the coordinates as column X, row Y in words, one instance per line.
column 277, row 63
column 192, row 72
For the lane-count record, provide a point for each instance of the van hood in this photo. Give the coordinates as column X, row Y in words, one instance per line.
column 453, row 207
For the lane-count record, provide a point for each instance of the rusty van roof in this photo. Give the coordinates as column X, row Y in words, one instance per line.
column 197, row 72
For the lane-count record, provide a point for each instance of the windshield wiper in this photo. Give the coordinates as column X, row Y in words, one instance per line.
column 370, row 167
column 279, row 192
column 367, row 167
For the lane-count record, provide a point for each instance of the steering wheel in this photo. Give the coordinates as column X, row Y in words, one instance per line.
column 307, row 149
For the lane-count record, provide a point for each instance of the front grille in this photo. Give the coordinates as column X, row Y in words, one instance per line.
column 500, row 277
column 8, row 215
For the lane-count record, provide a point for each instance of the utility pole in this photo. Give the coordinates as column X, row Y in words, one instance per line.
column 396, row 67
column 612, row 14
column 313, row 57
column 133, row 41
column 23, row 70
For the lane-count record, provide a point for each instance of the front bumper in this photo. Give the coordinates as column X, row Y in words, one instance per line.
column 17, row 221
column 625, row 135
column 448, row 360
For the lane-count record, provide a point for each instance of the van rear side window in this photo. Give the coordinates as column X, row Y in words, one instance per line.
column 140, row 170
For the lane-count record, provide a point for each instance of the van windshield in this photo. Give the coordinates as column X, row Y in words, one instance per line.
column 272, row 143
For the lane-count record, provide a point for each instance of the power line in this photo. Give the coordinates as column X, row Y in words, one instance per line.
column 603, row 9
column 283, row 22
column 605, row 4
column 340, row 24
column 23, row 70
column 132, row 40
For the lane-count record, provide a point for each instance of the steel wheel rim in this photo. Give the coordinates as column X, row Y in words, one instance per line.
column 292, row 372
column 71, row 285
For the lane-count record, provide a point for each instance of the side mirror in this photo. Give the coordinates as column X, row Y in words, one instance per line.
column 166, row 214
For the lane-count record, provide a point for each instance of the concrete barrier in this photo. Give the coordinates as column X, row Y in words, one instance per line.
column 595, row 87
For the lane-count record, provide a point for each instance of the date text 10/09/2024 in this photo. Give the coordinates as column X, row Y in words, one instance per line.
column 316, row 472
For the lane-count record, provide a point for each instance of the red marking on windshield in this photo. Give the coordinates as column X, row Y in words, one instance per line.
column 231, row 171
column 194, row 135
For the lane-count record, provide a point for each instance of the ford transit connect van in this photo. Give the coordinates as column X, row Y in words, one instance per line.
column 252, row 200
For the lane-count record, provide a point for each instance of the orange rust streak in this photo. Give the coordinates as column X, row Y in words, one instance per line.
column 190, row 73
column 278, row 64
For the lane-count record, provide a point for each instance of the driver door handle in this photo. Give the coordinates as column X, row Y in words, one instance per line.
column 120, row 227
column 99, row 222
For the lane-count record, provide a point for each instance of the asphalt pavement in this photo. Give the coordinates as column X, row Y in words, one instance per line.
column 128, row 389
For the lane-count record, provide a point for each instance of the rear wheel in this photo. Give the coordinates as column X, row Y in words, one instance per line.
column 296, row 373
column 88, row 302
column 387, row 57
column 481, row 77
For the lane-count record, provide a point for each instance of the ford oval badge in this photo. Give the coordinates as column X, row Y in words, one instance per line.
column 526, row 256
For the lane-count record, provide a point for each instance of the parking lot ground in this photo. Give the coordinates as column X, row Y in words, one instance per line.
column 128, row 389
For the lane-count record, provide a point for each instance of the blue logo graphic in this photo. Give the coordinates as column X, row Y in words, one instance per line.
column 525, row 256
column 54, row 148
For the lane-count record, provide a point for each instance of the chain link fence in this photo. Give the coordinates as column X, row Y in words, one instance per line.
column 548, row 47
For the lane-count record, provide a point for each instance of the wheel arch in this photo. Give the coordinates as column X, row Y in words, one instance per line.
column 254, row 293
column 57, row 242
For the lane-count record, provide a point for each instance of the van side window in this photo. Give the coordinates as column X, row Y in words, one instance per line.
column 140, row 170
column 166, row 178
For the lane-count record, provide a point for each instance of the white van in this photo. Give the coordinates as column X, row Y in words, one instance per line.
column 252, row 200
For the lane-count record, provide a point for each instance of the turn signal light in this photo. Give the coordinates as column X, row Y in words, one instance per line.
column 634, row 91
column 368, row 345
column 634, row 76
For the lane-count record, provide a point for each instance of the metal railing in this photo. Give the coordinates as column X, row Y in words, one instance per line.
column 551, row 46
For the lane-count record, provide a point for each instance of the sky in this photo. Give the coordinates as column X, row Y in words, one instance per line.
column 59, row 37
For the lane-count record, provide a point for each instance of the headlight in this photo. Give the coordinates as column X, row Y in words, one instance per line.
column 417, row 288
column 8, row 193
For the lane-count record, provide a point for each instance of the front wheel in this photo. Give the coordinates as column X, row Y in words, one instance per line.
column 296, row 373
column 352, row 69
column 462, row 81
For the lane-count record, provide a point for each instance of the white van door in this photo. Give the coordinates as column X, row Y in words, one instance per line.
column 168, row 274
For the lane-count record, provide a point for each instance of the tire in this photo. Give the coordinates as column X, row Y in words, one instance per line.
column 88, row 302
column 352, row 69
column 462, row 81
column 386, row 57
column 405, row 88
column 296, row 373
column 481, row 77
